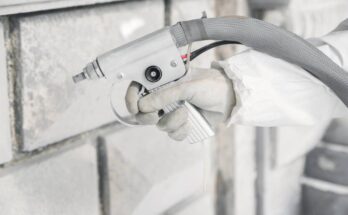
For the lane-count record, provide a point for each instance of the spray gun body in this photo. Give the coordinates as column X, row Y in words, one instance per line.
column 154, row 61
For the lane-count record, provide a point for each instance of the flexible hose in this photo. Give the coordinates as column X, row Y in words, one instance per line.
column 269, row 39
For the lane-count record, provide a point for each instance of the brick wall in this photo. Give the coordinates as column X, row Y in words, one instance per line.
column 61, row 150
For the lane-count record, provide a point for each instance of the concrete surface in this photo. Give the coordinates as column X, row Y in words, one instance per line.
column 56, row 46
column 61, row 184
column 149, row 173
column 5, row 131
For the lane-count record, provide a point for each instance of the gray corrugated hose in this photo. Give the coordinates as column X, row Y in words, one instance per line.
column 269, row 39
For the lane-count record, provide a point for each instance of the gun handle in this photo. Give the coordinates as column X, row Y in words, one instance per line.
column 201, row 129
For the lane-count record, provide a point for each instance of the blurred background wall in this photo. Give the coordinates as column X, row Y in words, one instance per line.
column 62, row 152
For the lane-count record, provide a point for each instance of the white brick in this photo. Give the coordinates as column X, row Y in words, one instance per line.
column 182, row 10
column 61, row 184
column 150, row 173
column 5, row 132
column 56, row 46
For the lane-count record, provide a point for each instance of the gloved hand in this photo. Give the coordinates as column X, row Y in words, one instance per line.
column 209, row 90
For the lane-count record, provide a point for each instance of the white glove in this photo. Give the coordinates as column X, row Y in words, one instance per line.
column 209, row 90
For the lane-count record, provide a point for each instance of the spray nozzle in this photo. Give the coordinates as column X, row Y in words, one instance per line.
column 91, row 71
column 79, row 77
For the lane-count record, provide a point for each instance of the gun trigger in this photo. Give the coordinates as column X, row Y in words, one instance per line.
column 143, row 92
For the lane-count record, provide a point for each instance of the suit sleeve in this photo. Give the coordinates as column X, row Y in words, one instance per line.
column 273, row 92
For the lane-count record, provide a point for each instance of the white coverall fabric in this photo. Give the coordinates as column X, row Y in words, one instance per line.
column 273, row 92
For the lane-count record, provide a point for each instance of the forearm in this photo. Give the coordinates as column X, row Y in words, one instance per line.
column 272, row 92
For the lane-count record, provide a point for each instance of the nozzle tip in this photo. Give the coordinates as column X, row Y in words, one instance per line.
column 79, row 77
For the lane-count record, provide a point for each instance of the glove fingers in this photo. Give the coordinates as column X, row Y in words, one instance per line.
column 132, row 97
column 173, row 120
column 158, row 100
column 147, row 118
column 181, row 133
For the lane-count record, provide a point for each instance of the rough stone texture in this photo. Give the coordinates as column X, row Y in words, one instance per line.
column 23, row 6
column 337, row 132
column 192, row 9
column 291, row 143
column 329, row 163
column 149, row 176
column 5, row 132
column 61, row 184
column 324, row 201
column 57, row 45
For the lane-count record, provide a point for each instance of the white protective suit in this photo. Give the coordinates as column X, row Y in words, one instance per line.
column 273, row 92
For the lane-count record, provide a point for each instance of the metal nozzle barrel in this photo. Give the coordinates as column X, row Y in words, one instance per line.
column 79, row 77
column 91, row 71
